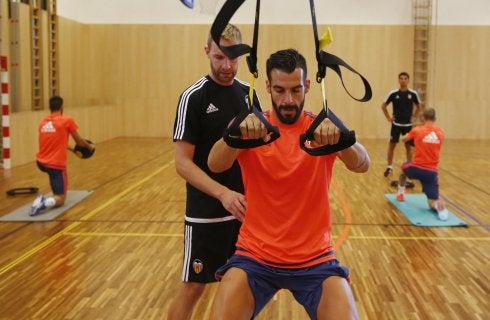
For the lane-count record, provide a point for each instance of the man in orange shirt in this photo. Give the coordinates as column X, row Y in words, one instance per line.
column 54, row 131
column 427, row 139
column 285, row 239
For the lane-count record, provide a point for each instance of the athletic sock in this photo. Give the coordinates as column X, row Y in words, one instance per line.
column 401, row 190
column 49, row 202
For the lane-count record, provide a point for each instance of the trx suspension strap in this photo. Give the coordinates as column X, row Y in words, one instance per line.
column 326, row 60
column 232, row 134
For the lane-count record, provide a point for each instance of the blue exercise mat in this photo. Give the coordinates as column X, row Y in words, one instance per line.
column 416, row 209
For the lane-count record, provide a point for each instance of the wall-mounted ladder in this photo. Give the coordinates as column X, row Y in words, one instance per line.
column 422, row 16
column 53, row 48
column 36, row 55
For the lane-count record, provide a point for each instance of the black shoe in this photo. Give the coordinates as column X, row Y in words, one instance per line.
column 388, row 172
column 409, row 185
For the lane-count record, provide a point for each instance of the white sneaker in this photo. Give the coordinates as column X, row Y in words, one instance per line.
column 443, row 214
column 38, row 205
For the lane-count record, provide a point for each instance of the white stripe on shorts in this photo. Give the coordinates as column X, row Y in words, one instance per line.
column 209, row 220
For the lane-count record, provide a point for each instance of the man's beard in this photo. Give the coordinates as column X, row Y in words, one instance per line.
column 221, row 78
column 288, row 118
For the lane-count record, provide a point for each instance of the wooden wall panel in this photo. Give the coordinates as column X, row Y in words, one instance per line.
column 131, row 67
column 139, row 71
column 460, row 80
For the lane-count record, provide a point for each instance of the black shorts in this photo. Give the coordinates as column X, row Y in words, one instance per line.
column 207, row 246
column 397, row 131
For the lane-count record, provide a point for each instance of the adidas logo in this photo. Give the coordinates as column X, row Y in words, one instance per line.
column 211, row 108
column 431, row 138
column 48, row 127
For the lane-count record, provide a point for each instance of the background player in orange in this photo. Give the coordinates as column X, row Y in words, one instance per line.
column 54, row 131
column 403, row 100
column 285, row 240
column 427, row 139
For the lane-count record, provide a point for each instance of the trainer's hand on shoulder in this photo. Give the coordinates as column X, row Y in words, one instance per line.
column 252, row 128
column 234, row 202
column 327, row 133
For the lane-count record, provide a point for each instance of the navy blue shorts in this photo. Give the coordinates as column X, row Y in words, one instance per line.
column 429, row 179
column 305, row 283
column 57, row 178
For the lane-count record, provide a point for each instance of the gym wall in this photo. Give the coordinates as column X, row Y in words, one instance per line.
column 123, row 78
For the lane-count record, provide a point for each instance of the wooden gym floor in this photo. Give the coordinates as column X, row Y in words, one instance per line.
column 117, row 254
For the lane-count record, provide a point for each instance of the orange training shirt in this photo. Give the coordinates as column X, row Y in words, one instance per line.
column 54, row 132
column 428, row 140
column 287, row 221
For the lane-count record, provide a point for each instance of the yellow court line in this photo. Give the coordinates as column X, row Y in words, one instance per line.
column 125, row 192
column 123, row 234
column 70, row 227
column 136, row 234
column 420, row 238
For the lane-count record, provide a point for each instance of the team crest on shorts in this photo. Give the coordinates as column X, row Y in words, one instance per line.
column 197, row 266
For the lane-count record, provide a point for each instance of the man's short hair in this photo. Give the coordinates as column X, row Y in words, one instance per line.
column 403, row 73
column 231, row 33
column 286, row 60
column 429, row 114
column 55, row 103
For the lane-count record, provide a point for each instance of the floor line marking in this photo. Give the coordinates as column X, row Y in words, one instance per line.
column 68, row 228
column 351, row 237
column 348, row 216
column 123, row 234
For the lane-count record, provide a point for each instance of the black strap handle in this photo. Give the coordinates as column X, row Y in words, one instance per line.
column 23, row 190
column 233, row 136
column 326, row 60
column 347, row 137
column 224, row 16
column 333, row 62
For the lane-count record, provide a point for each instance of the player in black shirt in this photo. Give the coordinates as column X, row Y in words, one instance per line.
column 215, row 202
column 403, row 100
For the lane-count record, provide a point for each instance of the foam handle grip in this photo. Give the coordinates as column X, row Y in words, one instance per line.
column 347, row 137
column 233, row 136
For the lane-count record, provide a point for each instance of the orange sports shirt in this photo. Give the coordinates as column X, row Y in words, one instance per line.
column 54, row 132
column 428, row 140
column 287, row 221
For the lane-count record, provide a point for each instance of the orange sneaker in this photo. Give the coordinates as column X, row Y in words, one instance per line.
column 400, row 197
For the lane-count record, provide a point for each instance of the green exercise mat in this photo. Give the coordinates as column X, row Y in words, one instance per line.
column 416, row 209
